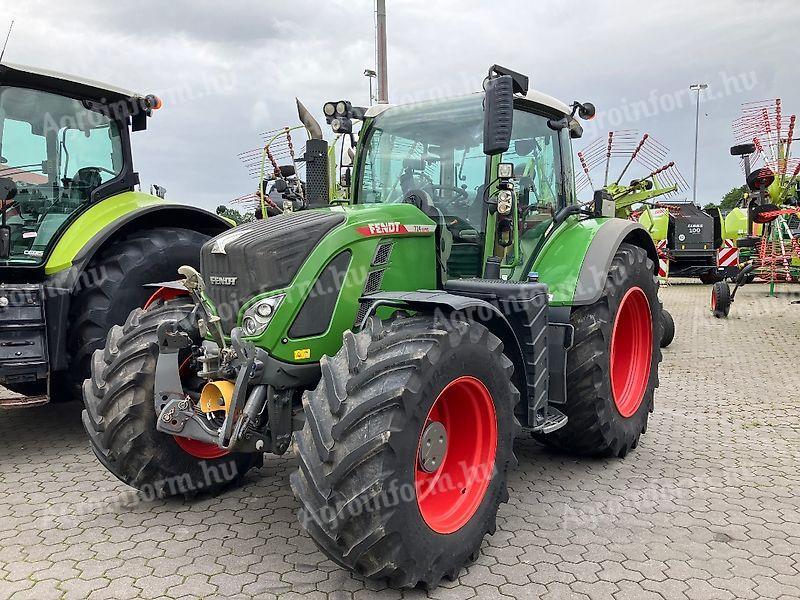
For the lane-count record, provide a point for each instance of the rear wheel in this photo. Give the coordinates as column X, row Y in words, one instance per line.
column 120, row 414
column 115, row 286
column 721, row 299
column 406, row 447
column 612, row 367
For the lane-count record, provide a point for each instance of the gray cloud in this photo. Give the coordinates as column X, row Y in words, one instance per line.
column 231, row 70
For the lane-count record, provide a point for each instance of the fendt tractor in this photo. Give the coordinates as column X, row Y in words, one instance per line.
column 404, row 335
column 77, row 242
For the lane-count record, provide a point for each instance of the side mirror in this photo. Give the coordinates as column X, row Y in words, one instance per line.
column 586, row 111
column 498, row 114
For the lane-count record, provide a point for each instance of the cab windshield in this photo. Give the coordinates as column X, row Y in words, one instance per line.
column 434, row 150
column 433, row 147
column 56, row 152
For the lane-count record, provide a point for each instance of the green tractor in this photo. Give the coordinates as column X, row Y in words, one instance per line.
column 405, row 335
column 78, row 243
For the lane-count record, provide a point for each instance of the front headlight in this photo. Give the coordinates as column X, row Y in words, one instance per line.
column 258, row 315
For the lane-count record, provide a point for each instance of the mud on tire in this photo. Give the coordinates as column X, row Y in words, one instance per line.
column 120, row 416
column 358, row 448
column 596, row 426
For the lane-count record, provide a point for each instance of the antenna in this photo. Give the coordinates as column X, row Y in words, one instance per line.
column 8, row 35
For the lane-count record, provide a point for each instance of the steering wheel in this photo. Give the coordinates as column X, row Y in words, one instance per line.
column 459, row 194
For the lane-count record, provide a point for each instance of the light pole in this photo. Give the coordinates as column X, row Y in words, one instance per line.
column 380, row 51
column 371, row 75
column 696, row 87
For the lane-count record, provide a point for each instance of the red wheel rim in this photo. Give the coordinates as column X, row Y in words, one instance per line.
column 449, row 497
column 199, row 449
column 713, row 299
column 196, row 448
column 631, row 351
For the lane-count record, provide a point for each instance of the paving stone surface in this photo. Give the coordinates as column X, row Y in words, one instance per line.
column 708, row 505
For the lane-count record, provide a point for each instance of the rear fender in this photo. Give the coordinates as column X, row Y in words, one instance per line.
column 575, row 261
column 600, row 254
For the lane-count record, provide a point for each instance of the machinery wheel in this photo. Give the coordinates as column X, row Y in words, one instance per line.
column 612, row 367
column 668, row 333
column 406, row 447
column 121, row 419
column 114, row 287
column 721, row 299
column 710, row 277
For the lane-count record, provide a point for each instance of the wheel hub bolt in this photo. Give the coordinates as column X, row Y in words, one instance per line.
column 432, row 447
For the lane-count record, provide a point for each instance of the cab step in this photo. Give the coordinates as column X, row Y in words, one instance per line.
column 555, row 420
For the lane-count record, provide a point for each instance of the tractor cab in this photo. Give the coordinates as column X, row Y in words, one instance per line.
column 433, row 157
column 64, row 144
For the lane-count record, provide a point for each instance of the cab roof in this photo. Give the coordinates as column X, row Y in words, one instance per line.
column 44, row 79
column 532, row 96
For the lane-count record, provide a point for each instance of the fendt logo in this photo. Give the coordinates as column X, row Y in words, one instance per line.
column 383, row 228
column 394, row 228
column 222, row 280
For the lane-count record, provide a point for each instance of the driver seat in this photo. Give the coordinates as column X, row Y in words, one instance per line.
column 85, row 181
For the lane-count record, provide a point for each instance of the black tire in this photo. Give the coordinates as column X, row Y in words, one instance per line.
column 710, row 277
column 358, row 448
column 668, row 324
column 120, row 416
column 721, row 300
column 595, row 426
column 114, row 286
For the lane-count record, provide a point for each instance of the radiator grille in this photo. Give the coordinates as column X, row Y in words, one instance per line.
column 382, row 253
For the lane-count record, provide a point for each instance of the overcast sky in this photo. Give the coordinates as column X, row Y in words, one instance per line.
column 230, row 70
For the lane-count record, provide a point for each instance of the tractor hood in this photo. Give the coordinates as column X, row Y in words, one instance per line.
column 260, row 256
column 317, row 269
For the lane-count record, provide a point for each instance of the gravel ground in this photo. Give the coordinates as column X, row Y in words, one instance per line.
column 707, row 507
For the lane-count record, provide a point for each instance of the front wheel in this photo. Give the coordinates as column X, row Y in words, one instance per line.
column 120, row 415
column 406, row 447
column 612, row 367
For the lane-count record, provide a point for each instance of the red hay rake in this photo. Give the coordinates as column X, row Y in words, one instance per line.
column 263, row 163
column 621, row 151
column 771, row 131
